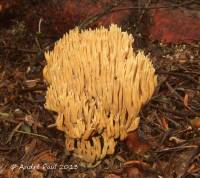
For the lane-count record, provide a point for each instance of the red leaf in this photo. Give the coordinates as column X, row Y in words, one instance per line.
column 175, row 26
column 137, row 144
column 164, row 123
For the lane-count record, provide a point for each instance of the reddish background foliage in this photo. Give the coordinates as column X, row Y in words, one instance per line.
column 7, row 4
column 175, row 26
column 63, row 15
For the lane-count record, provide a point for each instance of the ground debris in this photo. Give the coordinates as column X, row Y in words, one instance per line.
column 166, row 143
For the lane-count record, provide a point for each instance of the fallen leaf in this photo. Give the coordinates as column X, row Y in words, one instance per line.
column 10, row 173
column 18, row 74
column 139, row 169
column 32, row 121
column 112, row 176
column 195, row 122
column 44, row 157
column 175, row 25
column 164, row 123
column 133, row 172
column 185, row 100
column 136, row 143
column 32, row 83
column 30, row 146
column 35, row 174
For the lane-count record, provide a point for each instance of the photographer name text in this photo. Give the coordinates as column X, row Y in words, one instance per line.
column 45, row 166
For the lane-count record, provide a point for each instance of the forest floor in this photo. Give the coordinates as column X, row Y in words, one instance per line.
column 166, row 144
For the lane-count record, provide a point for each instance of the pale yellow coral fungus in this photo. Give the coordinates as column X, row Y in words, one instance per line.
column 97, row 85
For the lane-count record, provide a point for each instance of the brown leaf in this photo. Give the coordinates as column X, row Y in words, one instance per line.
column 136, row 143
column 35, row 174
column 112, row 176
column 185, row 100
column 195, row 122
column 9, row 173
column 139, row 169
column 164, row 123
column 32, row 83
column 45, row 157
column 32, row 121
column 30, row 146
column 133, row 172
column 18, row 74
